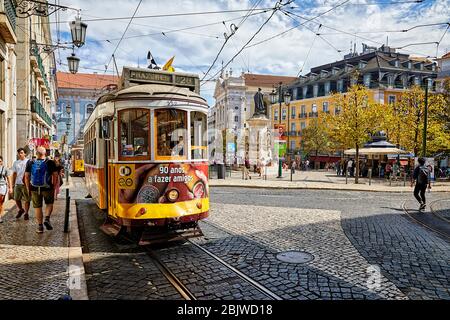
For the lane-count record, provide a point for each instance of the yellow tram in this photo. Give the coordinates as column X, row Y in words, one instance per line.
column 146, row 160
column 76, row 156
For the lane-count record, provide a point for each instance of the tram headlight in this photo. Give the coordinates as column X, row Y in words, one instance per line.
column 172, row 195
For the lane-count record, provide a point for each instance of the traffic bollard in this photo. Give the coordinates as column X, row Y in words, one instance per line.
column 404, row 179
column 370, row 176
column 66, row 214
column 346, row 176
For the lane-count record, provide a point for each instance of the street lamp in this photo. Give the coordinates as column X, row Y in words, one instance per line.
column 78, row 31
column 73, row 63
column 287, row 100
column 425, row 118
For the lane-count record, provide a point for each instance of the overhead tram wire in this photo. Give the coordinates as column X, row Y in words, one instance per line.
column 169, row 15
column 233, row 31
column 440, row 40
column 309, row 51
column 275, row 9
column 118, row 44
column 392, row 31
column 316, row 33
column 295, row 27
column 185, row 28
column 352, row 34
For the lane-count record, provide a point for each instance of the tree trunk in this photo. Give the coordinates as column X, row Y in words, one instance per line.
column 357, row 164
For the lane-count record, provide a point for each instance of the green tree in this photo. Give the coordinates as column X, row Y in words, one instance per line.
column 315, row 137
column 356, row 120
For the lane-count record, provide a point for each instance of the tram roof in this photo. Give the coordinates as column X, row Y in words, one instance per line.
column 153, row 91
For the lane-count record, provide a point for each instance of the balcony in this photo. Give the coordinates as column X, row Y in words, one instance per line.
column 8, row 20
column 292, row 133
column 37, row 62
column 299, row 133
column 313, row 114
column 36, row 107
column 302, row 115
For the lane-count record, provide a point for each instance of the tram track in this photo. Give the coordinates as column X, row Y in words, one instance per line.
column 184, row 291
column 426, row 225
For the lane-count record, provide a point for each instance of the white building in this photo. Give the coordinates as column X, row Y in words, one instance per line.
column 8, row 39
column 234, row 103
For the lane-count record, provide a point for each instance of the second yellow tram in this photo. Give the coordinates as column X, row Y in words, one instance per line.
column 77, row 160
column 146, row 160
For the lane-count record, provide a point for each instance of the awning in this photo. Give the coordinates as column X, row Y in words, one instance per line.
column 389, row 150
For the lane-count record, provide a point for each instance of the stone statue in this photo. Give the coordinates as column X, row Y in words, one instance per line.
column 260, row 104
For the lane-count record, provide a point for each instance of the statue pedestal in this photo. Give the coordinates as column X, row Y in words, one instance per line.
column 261, row 144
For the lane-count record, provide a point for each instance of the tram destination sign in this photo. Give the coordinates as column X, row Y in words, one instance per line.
column 132, row 76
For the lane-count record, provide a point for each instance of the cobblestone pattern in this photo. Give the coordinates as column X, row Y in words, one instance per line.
column 337, row 272
column 33, row 266
column 205, row 277
column 415, row 259
column 115, row 270
column 441, row 208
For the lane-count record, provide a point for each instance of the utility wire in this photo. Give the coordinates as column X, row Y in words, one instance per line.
column 309, row 51
column 295, row 27
column 275, row 9
column 123, row 35
column 167, row 15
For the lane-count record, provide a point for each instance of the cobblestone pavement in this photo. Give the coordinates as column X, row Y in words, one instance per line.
column 116, row 269
column 441, row 208
column 363, row 229
column 338, row 271
column 33, row 266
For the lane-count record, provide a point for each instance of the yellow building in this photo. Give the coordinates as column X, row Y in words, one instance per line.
column 383, row 71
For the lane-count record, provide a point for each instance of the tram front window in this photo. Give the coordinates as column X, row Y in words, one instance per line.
column 171, row 131
column 134, row 134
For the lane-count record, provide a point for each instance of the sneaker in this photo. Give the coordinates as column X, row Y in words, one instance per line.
column 1, row 220
column 422, row 207
column 20, row 213
column 40, row 229
column 48, row 225
column 26, row 216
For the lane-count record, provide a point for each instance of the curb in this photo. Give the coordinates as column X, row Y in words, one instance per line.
column 76, row 255
column 310, row 188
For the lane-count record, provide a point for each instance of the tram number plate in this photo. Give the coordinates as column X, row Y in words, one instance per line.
column 185, row 80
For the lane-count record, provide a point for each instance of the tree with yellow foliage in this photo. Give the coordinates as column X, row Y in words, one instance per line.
column 404, row 121
column 356, row 121
column 315, row 136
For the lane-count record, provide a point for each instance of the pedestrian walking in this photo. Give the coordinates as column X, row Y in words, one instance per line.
column 421, row 177
column 395, row 170
column 60, row 171
column 350, row 167
column 20, row 191
column 40, row 179
column 5, row 186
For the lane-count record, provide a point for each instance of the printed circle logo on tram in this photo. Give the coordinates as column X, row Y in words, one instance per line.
column 125, row 171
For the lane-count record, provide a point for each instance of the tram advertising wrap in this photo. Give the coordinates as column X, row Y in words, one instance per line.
column 149, row 189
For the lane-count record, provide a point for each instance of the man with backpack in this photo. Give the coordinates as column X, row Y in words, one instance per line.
column 421, row 176
column 41, row 177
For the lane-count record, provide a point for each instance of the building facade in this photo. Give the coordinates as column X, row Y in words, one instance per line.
column 383, row 71
column 36, row 82
column 234, row 103
column 8, row 40
column 444, row 71
column 79, row 91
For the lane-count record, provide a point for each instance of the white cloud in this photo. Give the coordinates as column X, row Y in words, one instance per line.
column 195, row 49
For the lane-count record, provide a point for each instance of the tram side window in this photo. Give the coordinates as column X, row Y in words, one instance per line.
column 198, row 139
column 171, row 132
column 134, row 132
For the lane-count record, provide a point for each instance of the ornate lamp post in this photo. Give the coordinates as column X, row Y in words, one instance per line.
column 73, row 63
column 277, row 96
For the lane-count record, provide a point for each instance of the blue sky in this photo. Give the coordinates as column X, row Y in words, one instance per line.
column 196, row 48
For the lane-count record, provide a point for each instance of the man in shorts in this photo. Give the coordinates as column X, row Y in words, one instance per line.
column 41, row 178
column 20, row 191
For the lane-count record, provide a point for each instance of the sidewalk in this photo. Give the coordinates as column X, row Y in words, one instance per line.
column 322, row 180
column 36, row 266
